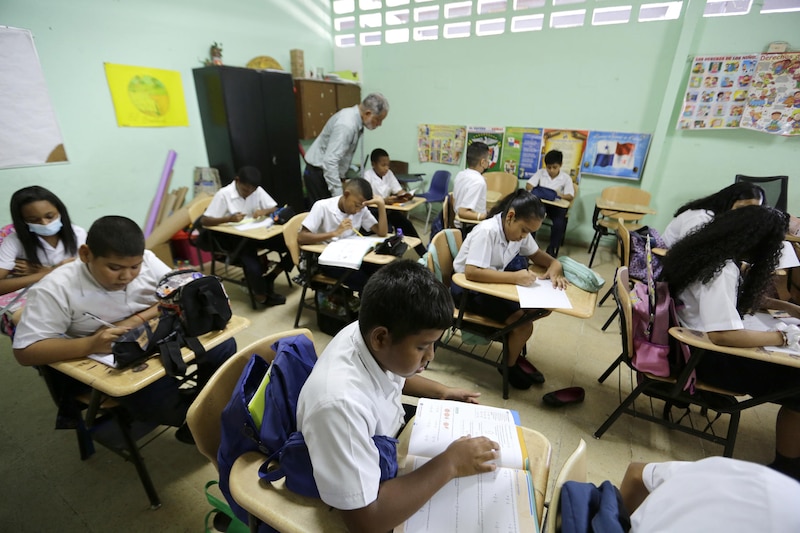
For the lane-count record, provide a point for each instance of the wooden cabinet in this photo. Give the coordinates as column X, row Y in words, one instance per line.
column 318, row 100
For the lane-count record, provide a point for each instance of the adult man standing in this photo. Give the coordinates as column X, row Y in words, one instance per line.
column 331, row 153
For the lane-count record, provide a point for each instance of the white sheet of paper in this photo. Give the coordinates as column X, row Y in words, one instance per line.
column 255, row 224
column 105, row 358
column 787, row 259
column 767, row 322
column 543, row 295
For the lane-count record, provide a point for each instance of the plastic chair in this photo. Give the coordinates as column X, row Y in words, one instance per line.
column 440, row 184
column 574, row 469
column 776, row 189
column 606, row 221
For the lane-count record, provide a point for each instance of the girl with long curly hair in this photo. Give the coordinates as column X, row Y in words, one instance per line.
column 705, row 275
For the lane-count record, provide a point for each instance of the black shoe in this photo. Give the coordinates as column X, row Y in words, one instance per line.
column 531, row 371
column 274, row 299
column 517, row 378
column 184, row 434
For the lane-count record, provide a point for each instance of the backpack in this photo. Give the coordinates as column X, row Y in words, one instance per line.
column 638, row 261
column 543, row 193
column 587, row 508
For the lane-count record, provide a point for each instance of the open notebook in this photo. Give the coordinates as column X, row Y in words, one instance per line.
column 502, row 500
column 349, row 252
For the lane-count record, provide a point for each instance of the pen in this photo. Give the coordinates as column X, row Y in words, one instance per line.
column 94, row 317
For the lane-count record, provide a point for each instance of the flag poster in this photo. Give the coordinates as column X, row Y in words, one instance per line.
column 146, row 97
column 773, row 103
column 492, row 137
column 571, row 143
column 615, row 155
column 522, row 150
column 440, row 144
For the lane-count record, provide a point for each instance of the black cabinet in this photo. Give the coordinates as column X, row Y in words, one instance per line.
column 249, row 119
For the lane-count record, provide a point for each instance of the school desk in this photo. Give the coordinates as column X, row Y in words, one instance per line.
column 601, row 204
column 405, row 207
column 371, row 257
column 275, row 505
column 564, row 204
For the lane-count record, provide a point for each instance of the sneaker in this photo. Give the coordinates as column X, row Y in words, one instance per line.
column 184, row 434
column 517, row 378
column 533, row 374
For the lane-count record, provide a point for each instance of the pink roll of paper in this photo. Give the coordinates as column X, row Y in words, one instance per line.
column 162, row 187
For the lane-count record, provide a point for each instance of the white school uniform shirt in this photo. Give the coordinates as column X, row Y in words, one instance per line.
column 347, row 400
column 712, row 306
column 333, row 150
column 717, row 494
column 325, row 216
column 487, row 247
column 12, row 249
column 383, row 186
column 683, row 224
column 562, row 183
column 57, row 303
column 228, row 201
column 469, row 192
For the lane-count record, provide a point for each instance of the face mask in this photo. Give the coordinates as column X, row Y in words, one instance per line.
column 46, row 230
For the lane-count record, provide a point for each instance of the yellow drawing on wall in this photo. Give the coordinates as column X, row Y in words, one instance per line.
column 146, row 97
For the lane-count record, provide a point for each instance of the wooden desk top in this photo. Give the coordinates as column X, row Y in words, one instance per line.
column 372, row 257
column 701, row 340
column 407, row 206
column 608, row 205
column 583, row 303
column 558, row 203
column 123, row 382
column 288, row 512
column 257, row 234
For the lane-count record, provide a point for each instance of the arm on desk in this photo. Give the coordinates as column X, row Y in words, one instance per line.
column 382, row 227
column 746, row 338
column 207, row 221
column 422, row 387
column 48, row 351
column 469, row 214
column 782, row 305
column 306, row 236
column 554, row 272
column 137, row 319
column 522, row 277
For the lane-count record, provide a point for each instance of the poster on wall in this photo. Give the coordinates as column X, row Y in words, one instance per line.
column 437, row 143
column 493, row 138
column 717, row 91
column 522, row 149
column 146, row 97
column 773, row 103
column 29, row 132
column 572, row 144
column 615, row 155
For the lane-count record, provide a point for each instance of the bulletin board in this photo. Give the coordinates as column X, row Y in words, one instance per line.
column 571, row 143
column 522, row 150
column 615, row 155
column 493, row 138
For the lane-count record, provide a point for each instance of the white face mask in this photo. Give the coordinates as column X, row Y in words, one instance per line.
column 46, row 230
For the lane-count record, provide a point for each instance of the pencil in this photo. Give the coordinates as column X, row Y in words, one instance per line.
column 357, row 232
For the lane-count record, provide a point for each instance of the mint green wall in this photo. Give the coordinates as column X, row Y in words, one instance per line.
column 628, row 77
column 115, row 170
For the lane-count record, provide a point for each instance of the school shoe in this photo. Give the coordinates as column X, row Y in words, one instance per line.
column 533, row 374
column 517, row 377
column 275, row 299
column 184, row 434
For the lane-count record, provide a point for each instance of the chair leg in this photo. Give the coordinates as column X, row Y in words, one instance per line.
column 428, row 217
column 610, row 369
column 733, row 427
column 619, row 410
column 138, row 462
column 504, row 366
column 595, row 246
column 610, row 319
column 300, row 305
column 606, row 295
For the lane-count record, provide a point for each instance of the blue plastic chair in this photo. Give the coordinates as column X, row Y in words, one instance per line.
column 440, row 183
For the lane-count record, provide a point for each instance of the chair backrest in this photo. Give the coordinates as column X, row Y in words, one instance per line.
column 440, row 183
column 622, row 290
column 206, row 410
column 443, row 254
column 448, row 213
column 198, row 207
column 624, row 239
column 395, row 165
column 502, row 182
column 290, row 231
column 574, row 469
column 776, row 189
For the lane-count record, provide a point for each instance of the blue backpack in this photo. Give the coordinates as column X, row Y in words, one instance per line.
column 586, row 508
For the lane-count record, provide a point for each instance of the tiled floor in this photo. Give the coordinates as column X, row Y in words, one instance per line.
column 46, row 487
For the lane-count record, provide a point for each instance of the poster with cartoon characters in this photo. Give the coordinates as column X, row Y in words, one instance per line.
column 493, row 137
column 615, row 155
column 717, row 91
column 571, row 143
column 522, row 150
column 773, row 101
column 440, row 144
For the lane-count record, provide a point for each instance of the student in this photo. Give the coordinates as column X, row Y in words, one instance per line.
column 114, row 281
column 712, row 494
column 44, row 238
column 244, row 197
column 469, row 190
column 497, row 251
column 552, row 178
column 703, row 271
column 697, row 213
column 354, row 393
column 385, row 184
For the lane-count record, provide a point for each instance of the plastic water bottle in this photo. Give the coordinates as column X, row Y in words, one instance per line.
column 399, row 232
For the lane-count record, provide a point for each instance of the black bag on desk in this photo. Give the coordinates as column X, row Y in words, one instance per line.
column 283, row 215
column 393, row 245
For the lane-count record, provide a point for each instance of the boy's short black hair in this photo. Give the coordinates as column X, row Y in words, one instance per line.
column 115, row 235
column 405, row 298
column 475, row 152
column 249, row 176
column 553, row 157
column 360, row 186
column 377, row 153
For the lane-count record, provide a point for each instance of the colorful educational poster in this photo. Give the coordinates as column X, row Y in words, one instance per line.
column 717, row 91
column 440, row 144
column 493, row 137
column 572, row 144
column 522, row 149
column 773, row 101
column 615, row 155
column 146, row 97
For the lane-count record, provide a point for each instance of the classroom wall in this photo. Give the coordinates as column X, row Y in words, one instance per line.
column 629, row 77
column 115, row 170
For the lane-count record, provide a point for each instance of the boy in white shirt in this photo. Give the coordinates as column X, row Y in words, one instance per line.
column 469, row 191
column 552, row 178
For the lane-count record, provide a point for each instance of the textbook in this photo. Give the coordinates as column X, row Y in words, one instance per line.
column 349, row 252
column 502, row 500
